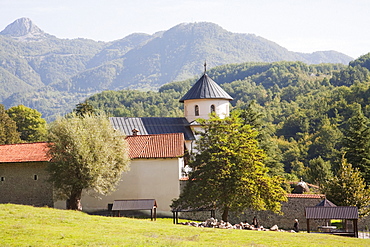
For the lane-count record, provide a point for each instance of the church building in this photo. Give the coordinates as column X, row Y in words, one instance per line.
column 157, row 146
column 205, row 97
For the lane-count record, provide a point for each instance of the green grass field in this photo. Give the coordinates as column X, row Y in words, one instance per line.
column 29, row 226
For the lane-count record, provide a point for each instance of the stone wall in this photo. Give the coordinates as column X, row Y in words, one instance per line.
column 364, row 224
column 293, row 209
column 25, row 183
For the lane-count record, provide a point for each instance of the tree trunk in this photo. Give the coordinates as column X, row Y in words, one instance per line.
column 225, row 214
column 74, row 201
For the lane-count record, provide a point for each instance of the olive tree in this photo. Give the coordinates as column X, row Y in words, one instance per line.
column 87, row 154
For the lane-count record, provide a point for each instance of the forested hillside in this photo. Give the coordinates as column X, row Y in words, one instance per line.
column 51, row 75
column 307, row 110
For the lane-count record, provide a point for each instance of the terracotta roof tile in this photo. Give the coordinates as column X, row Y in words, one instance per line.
column 318, row 196
column 24, row 152
column 141, row 146
column 156, row 146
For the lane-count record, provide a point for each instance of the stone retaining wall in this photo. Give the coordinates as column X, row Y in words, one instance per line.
column 293, row 209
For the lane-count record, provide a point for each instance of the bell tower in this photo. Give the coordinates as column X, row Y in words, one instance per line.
column 205, row 97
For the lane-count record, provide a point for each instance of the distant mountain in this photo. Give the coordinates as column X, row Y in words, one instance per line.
column 35, row 65
column 24, row 29
column 179, row 53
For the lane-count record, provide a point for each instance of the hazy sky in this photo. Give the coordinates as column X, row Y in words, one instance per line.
column 298, row 25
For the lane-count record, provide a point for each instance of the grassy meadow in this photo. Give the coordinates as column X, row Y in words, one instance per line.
column 30, row 226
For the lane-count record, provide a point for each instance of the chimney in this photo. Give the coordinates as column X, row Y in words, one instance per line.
column 134, row 132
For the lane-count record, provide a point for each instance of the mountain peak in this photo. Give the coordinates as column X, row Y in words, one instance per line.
column 24, row 29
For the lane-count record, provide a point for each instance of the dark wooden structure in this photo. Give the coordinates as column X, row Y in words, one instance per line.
column 175, row 213
column 135, row 204
column 349, row 215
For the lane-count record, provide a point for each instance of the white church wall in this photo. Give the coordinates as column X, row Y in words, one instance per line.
column 147, row 179
column 204, row 106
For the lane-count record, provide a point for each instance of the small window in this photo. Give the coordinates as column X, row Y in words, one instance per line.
column 213, row 109
column 196, row 110
column 35, row 177
column 2, row 179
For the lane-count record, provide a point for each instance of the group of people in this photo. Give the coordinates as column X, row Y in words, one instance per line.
column 256, row 224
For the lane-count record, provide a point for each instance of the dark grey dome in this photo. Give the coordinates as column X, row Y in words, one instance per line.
column 206, row 88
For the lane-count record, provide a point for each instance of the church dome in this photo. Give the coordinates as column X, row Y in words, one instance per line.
column 206, row 88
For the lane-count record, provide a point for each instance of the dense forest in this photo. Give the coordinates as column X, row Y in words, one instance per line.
column 306, row 114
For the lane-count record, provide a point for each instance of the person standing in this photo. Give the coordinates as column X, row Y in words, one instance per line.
column 296, row 225
column 255, row 222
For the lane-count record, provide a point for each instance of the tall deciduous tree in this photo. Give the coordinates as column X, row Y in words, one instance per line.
column 348, row 188
column 30, row 124
column 87, row 154
column 319, row 171
column 252, row 116
column 326, row 141
column 357, row 143
column 8, row 128
column 83, row 109
column 228, row 171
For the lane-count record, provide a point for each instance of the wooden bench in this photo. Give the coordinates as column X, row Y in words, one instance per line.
column 135, row 204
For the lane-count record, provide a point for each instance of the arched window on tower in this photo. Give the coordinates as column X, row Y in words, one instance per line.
column 213, row 109
column 196, row 110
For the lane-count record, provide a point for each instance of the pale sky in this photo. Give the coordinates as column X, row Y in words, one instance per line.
column 298, row 25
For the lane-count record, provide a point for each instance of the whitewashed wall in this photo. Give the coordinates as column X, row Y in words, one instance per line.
column 147, row 179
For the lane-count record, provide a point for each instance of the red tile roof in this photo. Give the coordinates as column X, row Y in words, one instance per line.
column 318, row 196
column 156, row 146
column 141, row 146
column 24, row 152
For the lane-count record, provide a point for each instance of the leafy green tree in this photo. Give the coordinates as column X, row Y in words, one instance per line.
column 84, row 108
column 87, row 154
column 294, row 154
column 299, row 170
column 30, row 124
column 253, row 117
column 295, row 125
column 326, row 141
column 228, row 171
column 356, row 143
column 8, row 128
column 319, row 171
column 348, row 188
column 290, row 152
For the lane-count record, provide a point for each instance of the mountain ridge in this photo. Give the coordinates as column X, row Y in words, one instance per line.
column 70, row 67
